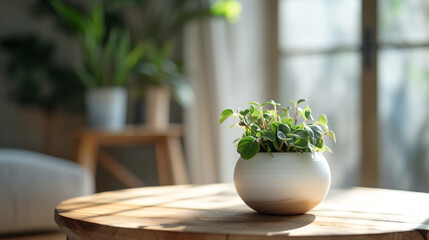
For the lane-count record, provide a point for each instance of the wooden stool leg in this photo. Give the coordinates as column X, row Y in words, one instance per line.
column 119, row 171
column 177, row 162
column 162, row 162
column 86, row 154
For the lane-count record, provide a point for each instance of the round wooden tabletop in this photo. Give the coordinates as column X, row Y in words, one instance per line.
column 216, row 212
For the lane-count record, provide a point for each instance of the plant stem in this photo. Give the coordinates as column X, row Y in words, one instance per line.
column 281, row 145
column 263, row 146
column 296, row 117
column 275, row 112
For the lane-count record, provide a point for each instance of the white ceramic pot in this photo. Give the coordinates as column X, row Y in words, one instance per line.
column 106, row 107
column 285, row 184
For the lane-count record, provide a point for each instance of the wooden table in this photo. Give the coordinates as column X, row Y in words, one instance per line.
column 215, row 211
column 166, row 141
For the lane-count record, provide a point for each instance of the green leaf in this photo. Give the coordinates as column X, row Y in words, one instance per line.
column 301, row 100
column 277, row 144
column 270, row 102
column 327, row 148
column 287, row 120
column 319, row 143
column 307, row 115
column 332, row 134
column 255, row 127
column 286, row 109
column 318, row 132
column 323, row 120
column 236, row 140
column 225, row 115
column 274, row 126
column 294, row 103
column 301, row 143
column 244, row 112
column 268, row 135
column 284, row 128
column 256, row 104
column 281, row 136
column 75, row 19
column 301, row 133
column 310, row 134
column 248, row 147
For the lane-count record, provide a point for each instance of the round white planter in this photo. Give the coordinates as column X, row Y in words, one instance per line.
column 106, row 107
column 285, row 184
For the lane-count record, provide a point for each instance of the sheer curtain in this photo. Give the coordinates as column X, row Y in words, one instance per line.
column 228, row 67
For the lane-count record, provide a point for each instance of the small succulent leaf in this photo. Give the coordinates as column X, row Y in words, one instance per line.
column 281, row 136
column 284, row 128
column 323, row 120
column 301, row 143
column 244, row 112
column 255, row 113
column 332, row 134
column 274, row 103
column 236, row 140
column 310, row 134
column 301, row 133
column 225, row 115
column 248, row 147
column 327, row 148
column 301, row 100
column 277, row 144
column 255, row 127
column 287, row 120
column 318, row 132
column 256, row 104
column 289, row 142
column 292, row 102
column 319, row 143
column 233, row 125
column 274, row 126
column 307, row 115
column 268, row 116
column 268, row 135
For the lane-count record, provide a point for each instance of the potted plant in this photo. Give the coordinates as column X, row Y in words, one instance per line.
column 109, row 59
column 160, row 25
column 281, row 170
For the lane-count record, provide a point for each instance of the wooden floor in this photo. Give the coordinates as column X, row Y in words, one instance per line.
column 44, row 236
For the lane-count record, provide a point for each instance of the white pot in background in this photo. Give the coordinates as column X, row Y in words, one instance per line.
column 106, row 107
column 285, row 184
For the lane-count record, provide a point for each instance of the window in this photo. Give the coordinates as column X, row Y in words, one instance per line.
column 375, row 92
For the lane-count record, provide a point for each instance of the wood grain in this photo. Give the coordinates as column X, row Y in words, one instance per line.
column 216, row 212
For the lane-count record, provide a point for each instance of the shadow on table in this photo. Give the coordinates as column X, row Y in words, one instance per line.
column 241, row 223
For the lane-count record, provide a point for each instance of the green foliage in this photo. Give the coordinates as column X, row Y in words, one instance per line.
column 38, row 80
column 160, row 24
column 158, row 69
column 108, row 58
column 272, row 131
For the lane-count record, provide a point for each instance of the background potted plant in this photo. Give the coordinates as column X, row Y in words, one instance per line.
column 160, row 25
column 109, row 59
column 281, row 169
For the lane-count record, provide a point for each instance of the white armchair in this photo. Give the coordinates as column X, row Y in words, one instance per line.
column 32, row 184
